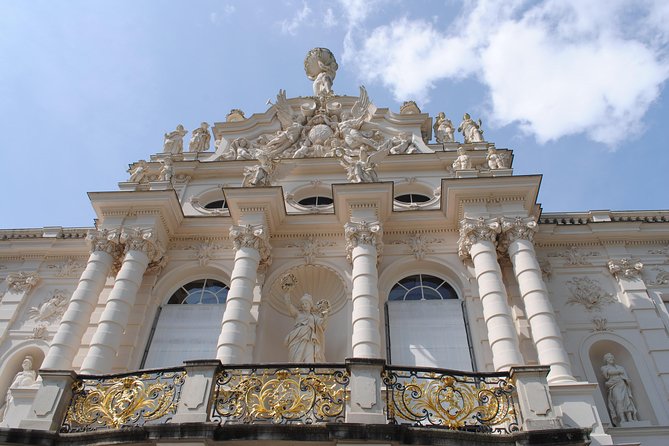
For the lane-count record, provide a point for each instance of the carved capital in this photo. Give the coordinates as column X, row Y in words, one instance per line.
column 144, row 240
column 518, row 228
column 106, row 240
column 363, row 233
column 627, row 268
column 22, row 282
column 251, row 236
column 474, row 230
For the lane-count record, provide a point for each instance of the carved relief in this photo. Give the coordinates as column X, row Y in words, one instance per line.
column 574, row 257
column 546, row 269
column 518, row 228
column 589, row 293
column 419, row 245
column 599, row 324
column 22, row 282
column 363, row 233
column 48, row 313
column 473, row 230
column 71, row 268
column 662, row 277
column 311, row 248
column 204, row 252
column 626, row 267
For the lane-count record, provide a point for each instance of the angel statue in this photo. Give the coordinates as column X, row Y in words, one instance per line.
column 291, row 129
column 471, row 131
column 352, row 123
column 361, row 168
column 174, row 141
column 321, row 67
column 306, row 340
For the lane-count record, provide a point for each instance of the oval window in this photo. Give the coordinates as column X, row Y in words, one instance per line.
column 318, row 200
column 412, row 198
column 218, row 204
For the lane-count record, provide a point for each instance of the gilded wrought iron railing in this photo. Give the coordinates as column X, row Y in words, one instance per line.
column 124, row 400
column 481, row 402
column 282, row 394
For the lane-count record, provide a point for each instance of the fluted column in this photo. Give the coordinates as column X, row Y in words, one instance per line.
column 140, row 249
column 517, row 237
column 363, row 246
column 64, row 346
column 478, row 241
column 251, row 248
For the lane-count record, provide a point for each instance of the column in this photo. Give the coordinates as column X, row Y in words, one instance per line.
column 478, row 243
column 363, row 243
column 251, row 248
column 66, row 342
column 140, row 249
column 517, row 236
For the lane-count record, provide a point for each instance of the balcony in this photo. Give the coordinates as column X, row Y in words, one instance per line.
column 361, row 400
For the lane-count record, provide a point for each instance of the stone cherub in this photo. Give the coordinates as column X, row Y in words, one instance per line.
column 462, row 162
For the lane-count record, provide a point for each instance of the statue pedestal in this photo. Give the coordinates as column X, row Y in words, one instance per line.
column 365, row 404
column 469, row 173
column 501, row 172
column 160, row 185
column 17, row 410
column 639, row 423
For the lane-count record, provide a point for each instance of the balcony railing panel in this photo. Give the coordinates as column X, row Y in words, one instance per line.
column 454, row 400
column 281, row 394
column 125, row 400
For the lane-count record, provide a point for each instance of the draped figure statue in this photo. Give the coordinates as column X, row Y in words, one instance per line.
column 306, row 341
column 619, row 394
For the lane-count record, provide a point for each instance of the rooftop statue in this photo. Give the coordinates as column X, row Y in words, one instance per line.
column 321, row 67
column 471, row 131
column 174, row 140
column 199, row 141
column 462, row 162
column 443, row 129
column 137, row 173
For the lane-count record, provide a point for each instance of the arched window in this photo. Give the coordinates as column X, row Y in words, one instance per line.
column 412, row 198
column 317, row 200
column 426, row 324
column 217, row 204
column 188, row 325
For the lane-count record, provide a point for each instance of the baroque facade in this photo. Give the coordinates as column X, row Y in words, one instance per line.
column 333, row 272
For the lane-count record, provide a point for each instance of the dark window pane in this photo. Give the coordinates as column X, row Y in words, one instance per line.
column 193, row 298
column 431, row 281
column 430, row 294
column 410, row 282
column 397, row 293
column 209, row 298
column 197, row 284
column 218, row 204
column 178, row 297
column 447, row 291
column 414, row 294
column 200, row 291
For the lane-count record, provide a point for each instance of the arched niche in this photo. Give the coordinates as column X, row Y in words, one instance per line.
column 322, row 281
column 10, row 362
column 647, row 401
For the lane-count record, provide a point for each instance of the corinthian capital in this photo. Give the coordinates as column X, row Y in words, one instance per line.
column 627, row 268
column 144, row 240
column 474, row 230
column 251, row 236
column 517, row 228
column 363, row 233
column 106, row 240
column 22, row 282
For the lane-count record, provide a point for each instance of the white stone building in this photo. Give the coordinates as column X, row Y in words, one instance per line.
column 445, row 297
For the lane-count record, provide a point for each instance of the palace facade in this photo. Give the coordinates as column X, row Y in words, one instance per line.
column 329, row 272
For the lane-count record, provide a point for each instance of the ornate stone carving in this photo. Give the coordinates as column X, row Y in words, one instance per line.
column 600, row 324
column 496, row 160
column 174, row 140
column 106, row 240
column 626, row 267
column 51, row 309
column 546, row 269
column 517, row 228
column 251, row 236
column 589, row 293
column 70, row 268
column 138, row 172
column 22, row 282
column 235, row 115
column 321, row 67
column 473, row 230
column 167, row 169
column 311, row 248
column 144, row 240
column 399, row 144
column 443, row 129
column 462, row 162
column 574, row 257
column 662, row 277
column 262, row 174
column 419, row 245
column 200, row 137
column 363, row 233
column 471, row 131
column 204, row 252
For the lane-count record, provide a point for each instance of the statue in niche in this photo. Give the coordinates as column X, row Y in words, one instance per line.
column 443, row 129
column 200, row 137
column 619, row 394
column 471, row 131
column 167, row 170
column 495, row 160
column 462, row 162
column 306, row 340
column 25, row 378
column 321, row 67
column 137, row 173
column 174, row 141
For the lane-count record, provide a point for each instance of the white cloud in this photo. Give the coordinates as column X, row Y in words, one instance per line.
column 329, row 19
column 216, row 17
column 555, row 68
column 291, row 26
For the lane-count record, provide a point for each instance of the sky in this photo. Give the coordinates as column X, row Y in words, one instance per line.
column 577, row 89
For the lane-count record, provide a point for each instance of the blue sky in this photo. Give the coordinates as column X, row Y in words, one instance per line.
column 576, row 89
